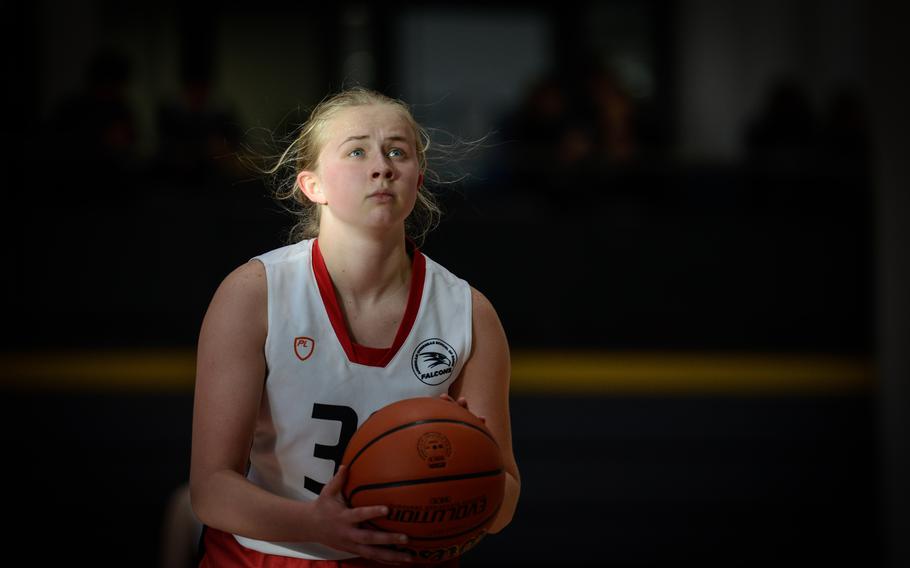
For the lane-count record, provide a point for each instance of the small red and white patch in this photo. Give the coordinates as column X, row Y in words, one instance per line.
column 303, row 347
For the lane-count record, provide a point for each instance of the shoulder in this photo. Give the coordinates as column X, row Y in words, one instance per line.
column 481, row 306
column 485, row 320
column 242, row 296
column 248, row 279
column 288, row 253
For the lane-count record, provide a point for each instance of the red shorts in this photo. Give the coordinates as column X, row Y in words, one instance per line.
column 223, row 551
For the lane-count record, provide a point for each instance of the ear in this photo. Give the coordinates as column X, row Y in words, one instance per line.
column 309, row 184
column 419, row 181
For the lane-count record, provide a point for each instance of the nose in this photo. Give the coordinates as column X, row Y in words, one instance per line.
column 384, row 172
column 383, row 169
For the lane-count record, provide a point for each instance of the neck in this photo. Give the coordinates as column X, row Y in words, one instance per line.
column 366, row 267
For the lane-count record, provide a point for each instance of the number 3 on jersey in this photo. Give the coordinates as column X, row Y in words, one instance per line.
column 348, row 419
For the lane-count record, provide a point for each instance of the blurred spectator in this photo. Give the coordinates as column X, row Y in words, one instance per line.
column 95, row 128
column 570, row 125
column 614, row 112
column 531, row 135
column 198, row 138
column 539, row 120
column 786, row 132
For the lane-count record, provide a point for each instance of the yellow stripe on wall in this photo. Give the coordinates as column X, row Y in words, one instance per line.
column 688, row 373
column 533, row 372
column 164, row 370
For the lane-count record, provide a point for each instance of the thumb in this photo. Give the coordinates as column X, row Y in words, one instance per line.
column 336, row 484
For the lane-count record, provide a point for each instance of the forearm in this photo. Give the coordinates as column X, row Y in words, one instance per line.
column 227, row 501
column 509, row 502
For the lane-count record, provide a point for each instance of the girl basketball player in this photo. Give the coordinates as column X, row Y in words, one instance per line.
column 301, row 344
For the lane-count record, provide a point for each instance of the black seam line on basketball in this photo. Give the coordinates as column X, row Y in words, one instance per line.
column 419, row 423
column 440, row 537
column 423, row 481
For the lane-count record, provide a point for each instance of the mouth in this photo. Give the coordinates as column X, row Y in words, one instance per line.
column 381, row 195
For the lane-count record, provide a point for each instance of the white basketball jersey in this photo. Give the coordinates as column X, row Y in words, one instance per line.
column 321, row 386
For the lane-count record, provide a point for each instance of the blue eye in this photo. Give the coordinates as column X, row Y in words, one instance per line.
column 395, row 153
column 356, row 153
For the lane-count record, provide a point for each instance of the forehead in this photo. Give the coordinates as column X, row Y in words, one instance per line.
column 371, row 120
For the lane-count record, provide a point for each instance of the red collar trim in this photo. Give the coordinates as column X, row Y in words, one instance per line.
column 361, row 354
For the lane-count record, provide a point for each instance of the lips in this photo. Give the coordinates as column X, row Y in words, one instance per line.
column 382, row 195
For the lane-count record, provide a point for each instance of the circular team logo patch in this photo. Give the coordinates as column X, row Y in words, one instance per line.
column 433, row 361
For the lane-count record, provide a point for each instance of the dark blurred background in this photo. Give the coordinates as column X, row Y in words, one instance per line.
column 691, row 216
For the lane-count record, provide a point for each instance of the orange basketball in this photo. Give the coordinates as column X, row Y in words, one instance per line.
column 435, row 466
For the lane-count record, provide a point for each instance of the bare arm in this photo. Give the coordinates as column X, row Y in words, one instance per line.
column 484, row 383
column 230, row 377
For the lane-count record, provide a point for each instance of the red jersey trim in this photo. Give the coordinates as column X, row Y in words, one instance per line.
column 361, row 354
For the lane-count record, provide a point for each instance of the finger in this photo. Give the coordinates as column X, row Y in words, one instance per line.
column 335, row 485
column 361, row 514
column 463, row 402
column 366, row 536
column 382, row 554
column 445, row 396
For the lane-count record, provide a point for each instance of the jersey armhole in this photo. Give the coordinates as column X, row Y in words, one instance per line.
column 268, row 315
column 469, row 331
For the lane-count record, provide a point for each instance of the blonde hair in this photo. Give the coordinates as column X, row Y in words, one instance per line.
column 302, row 154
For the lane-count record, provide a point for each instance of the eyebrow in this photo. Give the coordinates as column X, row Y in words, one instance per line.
column 395, row 138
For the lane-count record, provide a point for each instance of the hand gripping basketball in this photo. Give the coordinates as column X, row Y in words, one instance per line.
column 462, row 402
column 436, row 468
column 338, row 525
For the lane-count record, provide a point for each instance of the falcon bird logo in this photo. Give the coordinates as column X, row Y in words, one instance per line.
column 433, row 359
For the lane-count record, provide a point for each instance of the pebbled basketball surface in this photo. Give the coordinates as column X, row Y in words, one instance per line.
column 435, row 466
